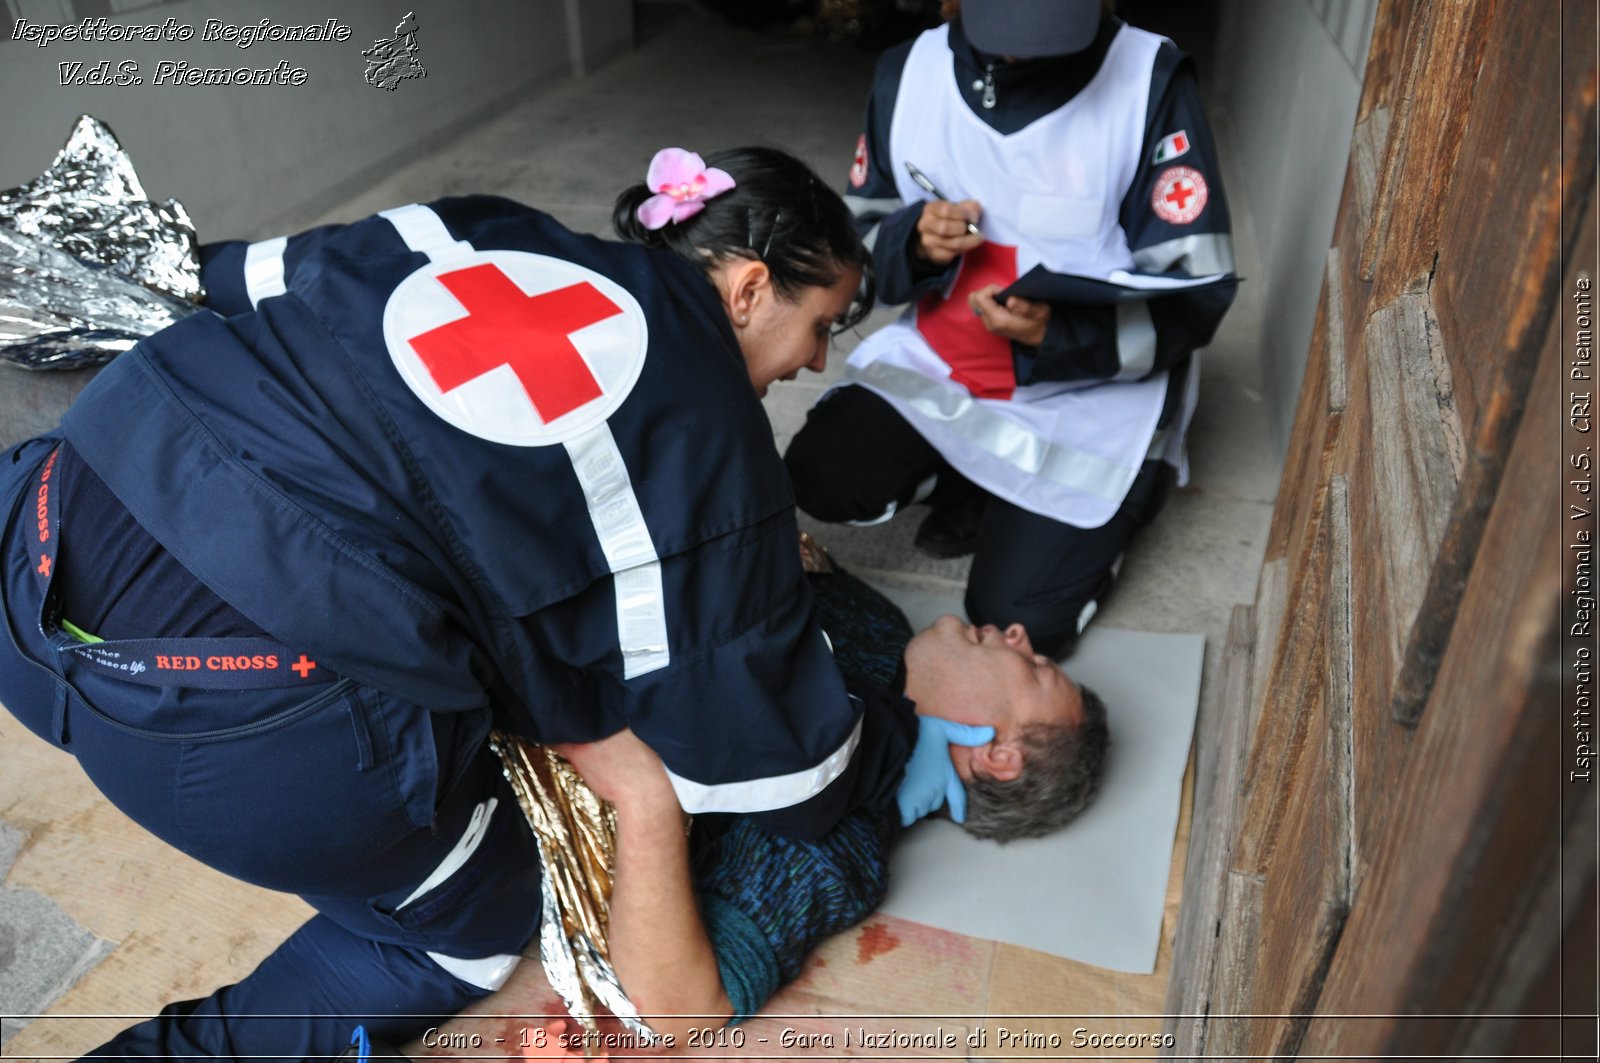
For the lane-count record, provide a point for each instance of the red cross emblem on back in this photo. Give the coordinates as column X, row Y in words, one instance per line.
column 530, row 333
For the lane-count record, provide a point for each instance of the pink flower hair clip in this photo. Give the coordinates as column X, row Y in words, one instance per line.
column 682, row 183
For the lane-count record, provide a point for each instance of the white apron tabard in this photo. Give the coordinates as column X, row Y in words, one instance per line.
column 1051, row 193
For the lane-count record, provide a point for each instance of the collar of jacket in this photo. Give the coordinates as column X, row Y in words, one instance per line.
column 1025, row 89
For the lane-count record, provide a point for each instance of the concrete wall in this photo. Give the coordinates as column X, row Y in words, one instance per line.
column 252, row 160
column 1289, row 73
column 597, row 30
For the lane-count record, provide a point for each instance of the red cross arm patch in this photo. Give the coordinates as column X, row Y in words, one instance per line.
column 1180, row 195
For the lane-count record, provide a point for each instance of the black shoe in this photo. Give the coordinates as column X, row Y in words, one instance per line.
column 951, row 531
column 1091, row 606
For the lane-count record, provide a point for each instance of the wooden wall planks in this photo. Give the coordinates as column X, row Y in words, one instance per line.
column 1219, row 763
column 1391, row 850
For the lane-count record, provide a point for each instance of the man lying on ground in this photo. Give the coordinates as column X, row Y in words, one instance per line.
column 708, row 925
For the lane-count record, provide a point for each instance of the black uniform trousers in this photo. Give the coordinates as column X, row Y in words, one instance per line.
column 856, row 455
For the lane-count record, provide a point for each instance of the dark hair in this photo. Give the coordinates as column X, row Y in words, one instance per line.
column 1061, row 772
column 779, row 213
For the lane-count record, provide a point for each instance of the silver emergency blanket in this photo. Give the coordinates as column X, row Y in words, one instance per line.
column 577, row 837
column 88, row 264
column 57, row 313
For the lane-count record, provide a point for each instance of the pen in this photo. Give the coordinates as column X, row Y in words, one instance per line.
column 932, row 190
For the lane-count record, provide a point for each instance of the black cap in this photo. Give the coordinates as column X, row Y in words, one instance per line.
column 1028, row 29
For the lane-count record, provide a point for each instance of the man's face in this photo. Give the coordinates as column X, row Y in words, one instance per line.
column 983, row 675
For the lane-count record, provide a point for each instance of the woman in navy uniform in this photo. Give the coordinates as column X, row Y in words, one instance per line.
column 447, row 468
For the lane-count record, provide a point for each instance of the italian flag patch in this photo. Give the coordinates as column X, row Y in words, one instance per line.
column 1171, row 146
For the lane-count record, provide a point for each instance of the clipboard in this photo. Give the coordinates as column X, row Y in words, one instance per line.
column 1119, row 286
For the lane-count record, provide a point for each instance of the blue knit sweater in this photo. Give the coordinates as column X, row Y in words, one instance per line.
column 766, row 900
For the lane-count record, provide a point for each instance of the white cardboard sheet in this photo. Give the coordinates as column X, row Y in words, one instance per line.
column 1093, row 892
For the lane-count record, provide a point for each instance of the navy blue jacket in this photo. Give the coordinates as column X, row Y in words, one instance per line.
column 280, row 456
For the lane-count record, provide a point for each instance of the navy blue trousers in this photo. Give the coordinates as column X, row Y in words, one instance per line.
column 394, row 822
column 856, row 455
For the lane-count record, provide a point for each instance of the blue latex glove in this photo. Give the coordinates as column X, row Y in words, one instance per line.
column 931, row 779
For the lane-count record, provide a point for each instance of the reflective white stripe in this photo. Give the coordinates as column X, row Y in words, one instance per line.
column 1159, row 443
column 1206, row 253
column 607, row 490
column 641, row 620
column 882, row 518
column 868, row 207
column 263, row 269
column 999, row 437
column 491, row 972
column 477, row 827
column 1136, row 340
column 860, row 205
column 630, row 552
column 762, row 795
column 924, row 489
column 1177, row 452
column 423, row 231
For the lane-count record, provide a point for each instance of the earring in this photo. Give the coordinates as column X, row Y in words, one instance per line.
column 744, row 319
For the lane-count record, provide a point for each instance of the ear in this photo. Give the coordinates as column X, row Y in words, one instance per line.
column 999, row 760
column 744, row 282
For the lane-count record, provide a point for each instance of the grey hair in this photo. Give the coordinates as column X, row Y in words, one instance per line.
column 1061, row 771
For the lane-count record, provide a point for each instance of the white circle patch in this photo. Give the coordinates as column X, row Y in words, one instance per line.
column 1180, row 195
column 858, row 168
column 516, row 348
